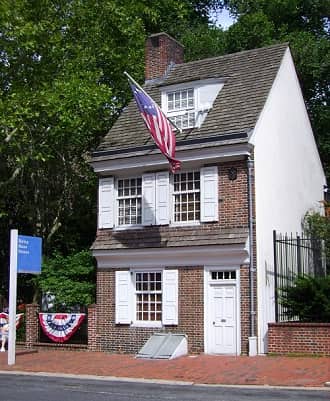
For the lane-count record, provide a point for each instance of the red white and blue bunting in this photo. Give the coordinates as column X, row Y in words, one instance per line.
column 4, row 319
column 60, row 327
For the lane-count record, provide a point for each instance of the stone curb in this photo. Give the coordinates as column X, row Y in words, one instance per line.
column 159, row 381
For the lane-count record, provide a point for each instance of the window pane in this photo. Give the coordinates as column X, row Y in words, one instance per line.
column 148, row 287
column 186, row 196
column 129, row 201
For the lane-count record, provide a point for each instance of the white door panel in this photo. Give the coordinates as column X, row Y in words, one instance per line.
column 223, row 319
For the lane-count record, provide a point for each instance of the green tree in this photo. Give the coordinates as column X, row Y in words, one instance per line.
column 202, row 41
column 71, row 279
column 61, row 88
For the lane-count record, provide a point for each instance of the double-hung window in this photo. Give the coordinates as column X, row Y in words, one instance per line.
column 129, row 201
column 148, row 296
column 186, row 197
column 181, row 108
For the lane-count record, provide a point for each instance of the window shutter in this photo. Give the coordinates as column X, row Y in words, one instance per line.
column 148, row 199
column 170, row 297
column 162, row 198
column 123, row 280
column 106, row 195
column 209, row 194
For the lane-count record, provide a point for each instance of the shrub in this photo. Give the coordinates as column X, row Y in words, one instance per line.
column 71, row 279
column 308, row 299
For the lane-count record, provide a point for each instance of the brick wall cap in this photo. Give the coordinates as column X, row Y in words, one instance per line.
column 154, row 35
column 298, row 324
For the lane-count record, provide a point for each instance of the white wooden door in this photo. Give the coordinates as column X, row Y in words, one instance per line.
column 223, row 323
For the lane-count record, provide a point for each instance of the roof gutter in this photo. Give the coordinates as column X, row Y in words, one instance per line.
column 179, row 143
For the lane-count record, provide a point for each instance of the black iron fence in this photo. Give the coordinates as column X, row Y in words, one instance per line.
column 294, row 256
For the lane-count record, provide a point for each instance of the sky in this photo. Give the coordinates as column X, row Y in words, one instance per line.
column 223, row 18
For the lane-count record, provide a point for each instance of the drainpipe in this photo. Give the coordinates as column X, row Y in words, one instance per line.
column 253, row 338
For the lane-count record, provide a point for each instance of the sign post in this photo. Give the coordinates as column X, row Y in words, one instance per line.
column 12, row 297
column 25, row 257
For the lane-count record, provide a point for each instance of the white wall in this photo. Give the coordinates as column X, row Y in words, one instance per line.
column 289, row 178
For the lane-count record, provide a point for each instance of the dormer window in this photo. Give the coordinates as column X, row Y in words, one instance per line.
column 188, row 104
column 181, row 108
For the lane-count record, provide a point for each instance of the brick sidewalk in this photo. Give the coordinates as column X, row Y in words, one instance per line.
column 206, row 369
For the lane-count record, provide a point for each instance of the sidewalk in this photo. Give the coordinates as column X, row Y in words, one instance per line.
column 201, row 369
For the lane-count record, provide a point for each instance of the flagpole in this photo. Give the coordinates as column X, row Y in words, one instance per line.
column 143, row 91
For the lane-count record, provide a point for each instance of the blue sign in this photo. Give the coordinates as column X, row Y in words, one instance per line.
column 29, row 254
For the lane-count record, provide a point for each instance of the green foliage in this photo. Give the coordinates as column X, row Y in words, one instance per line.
column 70, row 278
column 250, row 32
column 203, row 41
column 308, row 299
column 61, row 88
column 317, row 226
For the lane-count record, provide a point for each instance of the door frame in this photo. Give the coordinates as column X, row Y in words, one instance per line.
column 208, row 283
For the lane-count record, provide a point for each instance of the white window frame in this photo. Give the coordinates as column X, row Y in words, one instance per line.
column 117, row 199
column 146, row 323
column 177, row 114
column 172, row 200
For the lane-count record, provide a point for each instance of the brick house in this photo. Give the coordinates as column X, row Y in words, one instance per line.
column 192, row 252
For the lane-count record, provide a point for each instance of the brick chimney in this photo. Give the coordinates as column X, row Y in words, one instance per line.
column 161, row 51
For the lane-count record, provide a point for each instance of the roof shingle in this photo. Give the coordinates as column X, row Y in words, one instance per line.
column 248, row 75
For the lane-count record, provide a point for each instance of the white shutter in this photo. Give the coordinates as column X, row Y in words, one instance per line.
column 148, row 199
column 106, row 201
column 123, row 308
column 209, row 194
column 170, row 297
column 162, row 198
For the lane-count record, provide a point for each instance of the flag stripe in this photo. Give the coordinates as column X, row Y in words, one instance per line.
column 158, row 125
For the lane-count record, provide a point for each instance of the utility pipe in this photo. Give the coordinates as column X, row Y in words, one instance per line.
column 250, row 168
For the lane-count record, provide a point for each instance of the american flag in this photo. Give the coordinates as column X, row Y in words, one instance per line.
column 158, row 126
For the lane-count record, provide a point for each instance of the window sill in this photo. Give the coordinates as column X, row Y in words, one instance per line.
column 147, row 324
column 185, row 224
column 129, row 227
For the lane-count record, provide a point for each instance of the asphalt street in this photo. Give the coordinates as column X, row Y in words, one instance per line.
column 44, row 388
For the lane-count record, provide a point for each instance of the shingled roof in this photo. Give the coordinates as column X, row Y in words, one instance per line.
column 169, row 237
column 248, row 78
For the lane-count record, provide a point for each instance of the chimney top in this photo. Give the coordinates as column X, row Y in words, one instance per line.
column 161, row 52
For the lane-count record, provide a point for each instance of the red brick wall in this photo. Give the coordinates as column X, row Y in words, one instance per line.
column 31, row 325
column 161, row 50
column 299, row 338
column 233, row 207
column 93, row 343
column 245, row 308
column 127, row 339
column 233, row 197
column 233, row 213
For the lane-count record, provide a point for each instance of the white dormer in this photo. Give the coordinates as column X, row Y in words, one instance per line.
column 188, row 104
